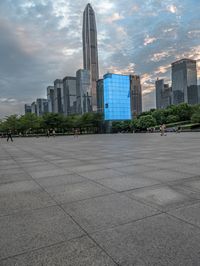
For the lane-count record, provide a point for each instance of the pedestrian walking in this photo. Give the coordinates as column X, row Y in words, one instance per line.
column 54, row 133
column 9, row 136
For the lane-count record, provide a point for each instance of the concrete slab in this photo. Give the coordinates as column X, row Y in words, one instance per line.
column 158, row 240
column 77, row 191
column 162, row 197
column 25, row 231
column 127, row 182
column 22, row 195
column 81, row 251
column 108, row 211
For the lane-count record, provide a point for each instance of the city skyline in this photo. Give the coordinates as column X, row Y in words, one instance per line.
column 41, row 41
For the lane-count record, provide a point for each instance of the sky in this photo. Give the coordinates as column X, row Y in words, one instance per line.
column 41, row 40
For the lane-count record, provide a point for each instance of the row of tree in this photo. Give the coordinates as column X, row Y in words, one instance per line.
column 94, row 123
column 155, row 117
column 31, row 124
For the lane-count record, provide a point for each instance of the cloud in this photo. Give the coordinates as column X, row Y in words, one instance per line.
column 148, row 40
column 115, row 17
column 172, row 8
column 41, row 41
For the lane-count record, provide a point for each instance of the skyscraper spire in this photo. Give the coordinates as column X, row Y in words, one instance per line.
column 90, row 51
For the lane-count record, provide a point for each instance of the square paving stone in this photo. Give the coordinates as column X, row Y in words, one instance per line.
column 80, row 251
column 60, row 180
column 47, row 173
column 22, row 195
column 87, row 167
column 107, row 211
column 77, row 191
column 158, row 240
column 8, row 178
column 98, row 174
column 127, row 182
column 25, row 231
column 165, row 175
column 133, row 169
column 190, row 213
column 193, row 183
column 162, row 197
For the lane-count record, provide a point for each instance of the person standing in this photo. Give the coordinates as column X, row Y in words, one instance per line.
column 9, row 136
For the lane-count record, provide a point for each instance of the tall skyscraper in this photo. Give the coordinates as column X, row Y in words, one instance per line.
column 50, row 98
column 58, row 96
column 90, row 51
column 163, row 94
column 136, row 95
column 42, row 106
column 83, row 91
column 27, row 108
column 184, row 81
column 69, row 94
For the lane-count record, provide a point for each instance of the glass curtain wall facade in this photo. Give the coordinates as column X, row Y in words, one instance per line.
column 42, row 106
column 50, row 98
column 83, row 91
column 184, row 76
column 58, row 96
column 136, row 95
column 69, row 92
column 163, row 94
column 117, row 104
column 27, row 108
column 90, row 51
column 100, row 100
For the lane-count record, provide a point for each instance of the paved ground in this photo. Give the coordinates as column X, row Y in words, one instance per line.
column 126, row 199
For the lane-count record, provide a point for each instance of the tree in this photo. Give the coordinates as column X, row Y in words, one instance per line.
column 172, row 119
column 52, row 120
column 145, row 122
column 196, row 115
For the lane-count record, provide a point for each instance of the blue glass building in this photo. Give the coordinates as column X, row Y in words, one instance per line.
column 117, row 104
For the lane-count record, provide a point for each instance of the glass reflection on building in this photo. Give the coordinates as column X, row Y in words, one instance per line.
column 117, row 105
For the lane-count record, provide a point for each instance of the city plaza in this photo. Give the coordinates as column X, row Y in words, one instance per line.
column 120, row 199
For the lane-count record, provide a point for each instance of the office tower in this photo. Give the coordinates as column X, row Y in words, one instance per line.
column 136, row 95
column 83, row 91
column 163, row 94
column 100, row 101
column 90, row 51
column 184, row 75
column 117, row 104
column 69, row 93
column 34, row 108
column 50, row 98
column 58, row 96
column 42, row 106
column 27, row 108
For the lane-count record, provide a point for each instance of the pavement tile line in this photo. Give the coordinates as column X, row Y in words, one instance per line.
column 145, row 152
column 57, row 204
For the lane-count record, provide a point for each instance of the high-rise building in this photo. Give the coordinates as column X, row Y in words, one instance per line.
column 184, row 77
column 42, row 106
column 117, row 103
column 58, row 96
column 27, row 108
column 100, row 99
column 163, row 94
column 69, row 93
column 136, row 95
column 90, row 51
column 50, row 98
column 83, row 91
column 34, row 108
